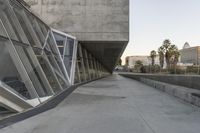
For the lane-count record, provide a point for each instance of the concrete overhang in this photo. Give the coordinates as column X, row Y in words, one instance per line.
column 107, row 52
column 101, row 26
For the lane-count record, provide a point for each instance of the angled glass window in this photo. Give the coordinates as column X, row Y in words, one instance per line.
column 49, row 72
column 9, row 73
column 55, row 51
column 66, row 45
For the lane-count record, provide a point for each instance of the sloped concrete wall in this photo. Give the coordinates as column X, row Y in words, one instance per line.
column 190, row 81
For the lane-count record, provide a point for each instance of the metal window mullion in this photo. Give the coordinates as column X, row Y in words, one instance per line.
column 15, row 21
column 61, row 76
column 65, row 45
column 54, row 61
column 22, row 54
column 45, row 42
column 87, row 63
column 52, row 56
column 91, row 64
column 52, row 71
column 78, row 72
column 30, row 29
column 30, row 71
column 20, row 67
column 74, row 58
column 40, row 71
column 41, row 35
column 25, row 60
column 97, row 64
column 99, row 69
column 25, row 40
column 96, row 67
column 60, row 57
column 8, row 26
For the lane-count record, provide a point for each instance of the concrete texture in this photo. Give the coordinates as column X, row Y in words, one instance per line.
column 88, row 20
column 190, row 81
column 101, row 26
column 189, row 95
column 114, row 105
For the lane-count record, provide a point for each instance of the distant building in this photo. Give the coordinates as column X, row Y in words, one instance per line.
column 146, row 60
column 186, row 45
column 190, row 55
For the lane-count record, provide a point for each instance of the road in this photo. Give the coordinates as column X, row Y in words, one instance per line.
column 114, row 105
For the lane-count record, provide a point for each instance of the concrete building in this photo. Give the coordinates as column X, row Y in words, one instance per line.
column 190, row 55
column 101, row 26
column 42, row 61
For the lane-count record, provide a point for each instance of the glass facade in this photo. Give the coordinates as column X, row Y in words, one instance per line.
column 38, row 62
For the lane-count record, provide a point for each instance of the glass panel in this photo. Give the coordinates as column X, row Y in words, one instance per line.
column 25, row 29
column 32, row 71
column 57, row 57
column 34, row 22
column 6, row 20
column 60, row 40
column 52, row 58
column 68, row 54
column 48, row 72
column 27, row 62
column 9, row 74
column 62, row 82
column 43, row 28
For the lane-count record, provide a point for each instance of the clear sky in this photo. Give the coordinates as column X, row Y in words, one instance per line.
column 152, row 21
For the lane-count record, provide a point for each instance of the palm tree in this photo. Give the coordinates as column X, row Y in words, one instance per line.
column 138, row 65
column 169, row 52
column 161, row 54
column 176, row 57
column 166, row 45
column 174, row 54
column 153, row 56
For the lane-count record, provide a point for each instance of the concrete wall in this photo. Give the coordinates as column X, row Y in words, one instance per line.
column 181, row 80
column 89, row 20
column 189, row 95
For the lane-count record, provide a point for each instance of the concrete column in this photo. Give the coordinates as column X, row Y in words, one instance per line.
column 82, row 61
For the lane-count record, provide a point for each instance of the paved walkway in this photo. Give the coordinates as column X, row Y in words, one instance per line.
column 114, row 105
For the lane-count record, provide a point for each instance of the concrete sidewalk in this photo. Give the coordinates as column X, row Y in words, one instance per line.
column 114, row 105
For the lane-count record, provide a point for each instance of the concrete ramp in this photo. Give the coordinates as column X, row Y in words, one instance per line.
column 11, row 100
